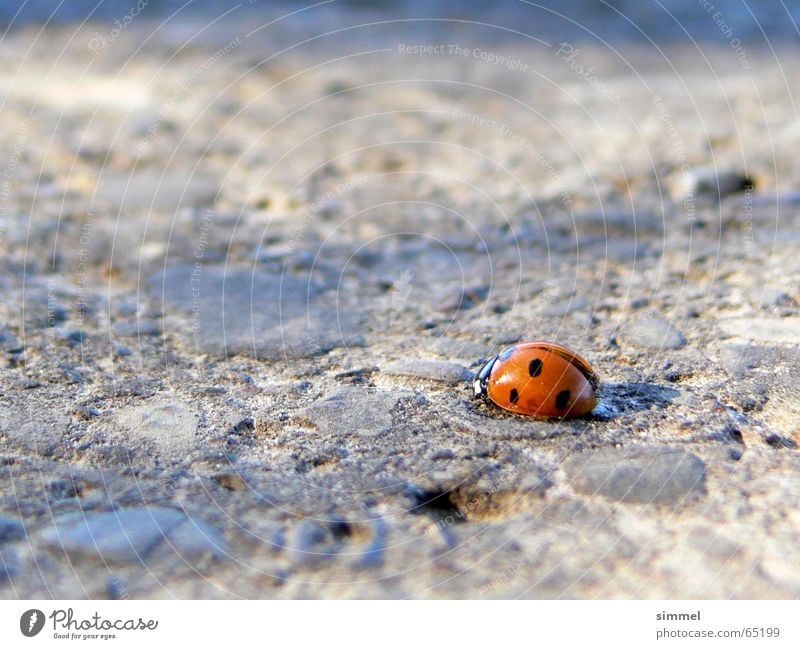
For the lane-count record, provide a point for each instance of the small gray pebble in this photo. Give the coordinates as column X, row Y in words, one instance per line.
column 124, row 535
column 740, row 359
column 442, row 454
column 439, row 371
column 11, row 530
column 74, row 337
column 291, row 318
column 136, row 329
column 637, row 475
column 712, row 183
column 354, row 410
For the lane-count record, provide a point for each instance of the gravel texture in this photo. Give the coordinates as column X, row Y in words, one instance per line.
column 244, row 290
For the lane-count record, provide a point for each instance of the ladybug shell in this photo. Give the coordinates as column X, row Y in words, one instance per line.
column 539, row 379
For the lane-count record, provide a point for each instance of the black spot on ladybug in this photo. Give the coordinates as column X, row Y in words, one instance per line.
column 535, row 367
column 514, row 395
column 562, row 399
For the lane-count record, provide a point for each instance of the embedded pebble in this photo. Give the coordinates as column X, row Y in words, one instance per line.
column 651, row 332
column 9, row 342
column 85, row 412
column 166, row 426
column 269, row 316
column 712, row 183
column 125, row 535
column 136, row 329
column 442, row 454
column 449, row 347
column 11, row 530
column 130, row 535
column 637, row 475
column 440, row 371
column 740, row 359
column 72, row 336
column 460, row 299
column 40, row 310
column 154, row 190
column 238, row 423
column 355, row 411
column 39, row 432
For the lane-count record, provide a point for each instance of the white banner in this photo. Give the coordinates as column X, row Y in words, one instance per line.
column 398, row 623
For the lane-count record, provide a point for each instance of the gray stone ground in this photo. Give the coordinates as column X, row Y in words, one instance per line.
column 244, row 291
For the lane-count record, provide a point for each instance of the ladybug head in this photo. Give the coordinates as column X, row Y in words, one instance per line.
column 482, row 379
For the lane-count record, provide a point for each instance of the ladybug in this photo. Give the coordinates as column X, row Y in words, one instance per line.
column 539, row 379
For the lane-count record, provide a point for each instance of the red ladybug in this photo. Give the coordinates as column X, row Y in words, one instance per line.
column 539, row 379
